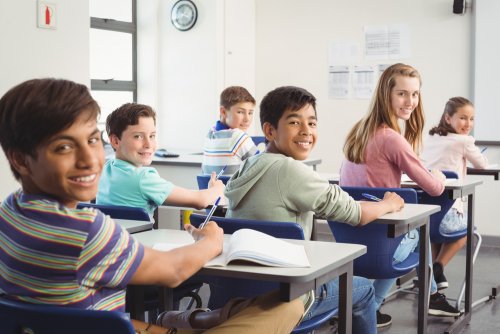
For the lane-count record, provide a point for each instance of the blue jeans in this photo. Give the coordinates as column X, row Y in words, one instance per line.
column 363, row 304
column 408, row 244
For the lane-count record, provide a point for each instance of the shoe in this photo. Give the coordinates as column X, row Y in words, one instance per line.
column 383, row 319
column 439, row 306
column 441, row 281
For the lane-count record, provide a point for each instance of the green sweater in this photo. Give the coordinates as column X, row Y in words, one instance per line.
column 274, row 187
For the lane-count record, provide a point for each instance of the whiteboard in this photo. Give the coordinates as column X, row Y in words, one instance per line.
column 487, row 70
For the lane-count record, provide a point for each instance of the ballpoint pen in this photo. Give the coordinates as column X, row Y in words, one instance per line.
column 484, row 149
column 373, row 198
column 221, row 171
column 209, row 216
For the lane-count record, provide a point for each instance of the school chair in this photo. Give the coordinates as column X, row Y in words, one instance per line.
column 223, row 289
column 119, row 212
column 188, row 289
column 377, row 262
column 27, row 318
column 435, row 221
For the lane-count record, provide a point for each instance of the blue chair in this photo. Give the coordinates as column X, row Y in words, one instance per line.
column 119, row 212
column 222, row 289
column 258, row 140
column 203, row 180
column 23, row 318
column 378, row 260
column 435, row 221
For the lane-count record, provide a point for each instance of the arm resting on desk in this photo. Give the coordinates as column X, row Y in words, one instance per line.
column 173, row 267
column 373, row 210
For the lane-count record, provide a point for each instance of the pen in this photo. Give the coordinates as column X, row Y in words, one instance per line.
column 373, row 198
column 209, row 216
column 221, row 171
column 484, row 149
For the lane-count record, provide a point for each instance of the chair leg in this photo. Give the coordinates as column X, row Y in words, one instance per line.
column 479, row 241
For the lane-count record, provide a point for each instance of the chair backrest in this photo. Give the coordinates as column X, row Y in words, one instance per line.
column 203, row 180
column 24, row 318
column 119, row 212
column 286, row 230
column 378, row 260
column 258, row 140
column 222, row 289
column 435, row 219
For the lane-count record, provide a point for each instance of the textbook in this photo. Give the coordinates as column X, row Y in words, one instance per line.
column 257, row 247
column 261, row 248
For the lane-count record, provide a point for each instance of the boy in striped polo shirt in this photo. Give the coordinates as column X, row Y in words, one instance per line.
column 53, row 253
column 227, row 143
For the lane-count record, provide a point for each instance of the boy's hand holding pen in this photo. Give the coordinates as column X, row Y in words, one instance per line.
column 214, row 179
column 197, row 232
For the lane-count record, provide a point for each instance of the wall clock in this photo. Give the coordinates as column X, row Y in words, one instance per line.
column 184, row 14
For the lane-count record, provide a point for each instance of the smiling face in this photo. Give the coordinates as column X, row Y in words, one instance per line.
column 462, row 120
column 295, row 135
column 67, row 166
column 138, row 142
column 238, row 116
column 404, row 96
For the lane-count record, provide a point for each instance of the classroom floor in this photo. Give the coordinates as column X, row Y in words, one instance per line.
column 403, row 306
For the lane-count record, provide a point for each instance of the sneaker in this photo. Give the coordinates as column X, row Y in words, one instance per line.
column 439, row 306
column 383, row 319
column 441, row 281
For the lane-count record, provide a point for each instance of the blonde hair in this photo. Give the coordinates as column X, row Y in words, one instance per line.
column 381, row 113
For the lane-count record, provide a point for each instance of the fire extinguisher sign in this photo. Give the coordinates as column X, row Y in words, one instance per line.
column 46, row 15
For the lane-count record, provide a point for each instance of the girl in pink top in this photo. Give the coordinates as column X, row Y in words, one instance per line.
column 449, row 147
column 378, row 151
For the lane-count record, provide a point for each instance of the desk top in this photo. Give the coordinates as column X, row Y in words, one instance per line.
column 195, row 160
column 495, row 172
column 134, row 226
column 409, row 214
column 324, row 257
column 457, row 188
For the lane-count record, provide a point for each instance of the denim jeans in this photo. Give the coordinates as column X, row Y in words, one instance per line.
column 408, row 244
column 363, row 304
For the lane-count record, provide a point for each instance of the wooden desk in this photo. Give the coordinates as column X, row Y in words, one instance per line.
column 328, row 260
column 134, row 226
column 458, row 189
column 182, row 171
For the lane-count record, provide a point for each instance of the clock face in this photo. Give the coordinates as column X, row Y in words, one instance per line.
column 184, row 15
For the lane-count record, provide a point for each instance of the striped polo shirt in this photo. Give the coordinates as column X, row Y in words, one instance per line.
column 226, row 147
column 52, row 254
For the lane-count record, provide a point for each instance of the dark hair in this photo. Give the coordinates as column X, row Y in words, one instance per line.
column 451, row 107
column 127, row 114
column 281, row 99
column 235, row 94
column 35, row 110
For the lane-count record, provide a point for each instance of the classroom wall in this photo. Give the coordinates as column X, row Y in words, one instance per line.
column 29, row 52
column 256, row 43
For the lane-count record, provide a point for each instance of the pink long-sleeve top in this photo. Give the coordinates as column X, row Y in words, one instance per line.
column 387, row 156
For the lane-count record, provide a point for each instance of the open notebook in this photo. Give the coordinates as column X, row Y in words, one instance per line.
column 258, row 247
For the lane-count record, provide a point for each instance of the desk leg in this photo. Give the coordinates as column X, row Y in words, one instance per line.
column 166, row 298
column 423, row 274
column 135, row 301
column 345, row 301
column 465, row 318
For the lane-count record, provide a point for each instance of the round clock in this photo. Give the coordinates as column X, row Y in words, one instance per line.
column 184, row 14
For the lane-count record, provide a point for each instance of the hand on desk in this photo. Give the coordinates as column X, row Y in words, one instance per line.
column 211, row 233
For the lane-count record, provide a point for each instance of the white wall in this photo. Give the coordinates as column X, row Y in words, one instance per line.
column 260, row 44
column 28, row 52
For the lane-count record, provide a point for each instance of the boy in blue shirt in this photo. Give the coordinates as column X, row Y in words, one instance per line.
column 227, row 143
column 127, row 180
column 55, row 254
